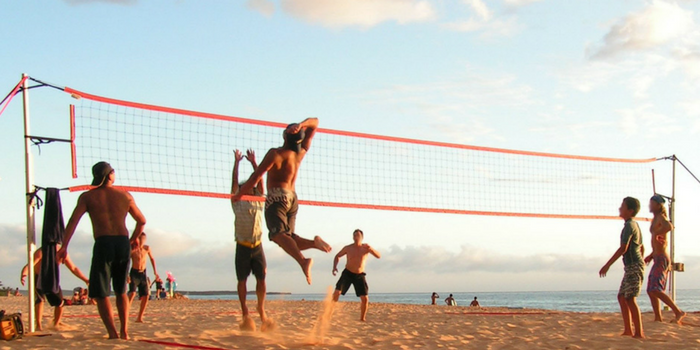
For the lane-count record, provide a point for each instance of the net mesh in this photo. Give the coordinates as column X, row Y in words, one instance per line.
column 158, row 149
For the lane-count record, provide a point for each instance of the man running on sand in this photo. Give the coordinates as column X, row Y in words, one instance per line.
column 137, row 276
column 107, row 207
column 631, row 250
column 354, row 273
column 660, row 226
column 250, row 256
column 55, row 300
column 282, row 167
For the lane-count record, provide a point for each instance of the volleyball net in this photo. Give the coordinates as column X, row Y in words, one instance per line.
column 171, row 151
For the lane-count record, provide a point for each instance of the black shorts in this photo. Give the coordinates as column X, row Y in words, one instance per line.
column 250, row 260
column 110, row 261
column 281, row 212
column 357, row 280
column 139, row 280
column 54, row 299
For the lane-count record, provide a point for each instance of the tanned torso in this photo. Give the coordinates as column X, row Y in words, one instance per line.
column 356, row 257
column 285, row 168
column 659, row 235
column 139, row 257
column 107, row 208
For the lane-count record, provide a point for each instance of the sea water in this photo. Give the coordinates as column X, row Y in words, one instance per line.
column 584, row 301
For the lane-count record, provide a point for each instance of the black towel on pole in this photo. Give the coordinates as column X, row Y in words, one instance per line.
column 51, row 235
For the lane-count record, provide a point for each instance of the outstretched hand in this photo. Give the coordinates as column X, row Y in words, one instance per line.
column 250, row 155
column 335, row 271
column 604, row 271
column 648, row 259
column 238, row 154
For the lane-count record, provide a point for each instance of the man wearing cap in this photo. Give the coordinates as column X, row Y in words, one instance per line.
column 282, row 167
column 107, row 207
column 656, row 287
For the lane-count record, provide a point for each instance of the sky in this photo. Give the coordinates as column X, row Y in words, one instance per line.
column 601, row 78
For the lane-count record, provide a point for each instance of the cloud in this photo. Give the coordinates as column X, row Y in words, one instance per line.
column 484, row 22
column 359, row 13
column 634, row 120
column 264, row 7
column 658, row 24
column 480, row 8
column 441, row 261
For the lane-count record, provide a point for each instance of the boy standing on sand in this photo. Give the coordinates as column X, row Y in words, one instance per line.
column 660, row 227
column 250, row 256
column 631, row 250
column 137, row 275
column 354, row 273
column 55, row 300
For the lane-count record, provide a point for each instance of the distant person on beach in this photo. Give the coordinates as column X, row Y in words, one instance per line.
column 474, row 303
column 17, row 293
column 450, row 301
column 631, row 250
column 107, row 207
column 656, row 287
column 282, row 167
column 55, row 300
column 354, row 272
column 250, row 256
column 137, row 276
column 434, row 298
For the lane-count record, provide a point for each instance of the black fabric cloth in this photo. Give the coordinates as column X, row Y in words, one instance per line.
column 250, row 260
column 357, row 280
column 51, row 235
column 111, row 259
column 139, row 281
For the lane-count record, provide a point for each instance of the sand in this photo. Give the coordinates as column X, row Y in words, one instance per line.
column 199, row 324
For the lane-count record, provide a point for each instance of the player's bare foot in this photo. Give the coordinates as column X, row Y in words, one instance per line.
column 363, row 320
column 140, row 320
column 268, row 325
column 124, row 335
column 321, row 245
column 248, row 324
column 626, row 334
column 306, row 267
column 658, row 320
column 679, row 318
column 639, row 336
column 113, row 335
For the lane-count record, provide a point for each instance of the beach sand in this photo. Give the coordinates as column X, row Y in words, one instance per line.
column 205, row 324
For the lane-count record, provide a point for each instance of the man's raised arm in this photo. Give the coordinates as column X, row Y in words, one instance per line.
column 138, row 217
column 310, row 124
column 256, row 175
column 234, row 173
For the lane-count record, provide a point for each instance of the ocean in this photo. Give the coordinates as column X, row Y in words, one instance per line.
column 585, row 301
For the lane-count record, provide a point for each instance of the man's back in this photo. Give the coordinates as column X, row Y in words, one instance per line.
column 284, row 169
column 107, row 208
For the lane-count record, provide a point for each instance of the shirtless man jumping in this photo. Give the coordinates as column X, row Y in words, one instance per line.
column 107, row 207
column 137, row 275
column 354, row 273
column 282, row 167
column 660, row 227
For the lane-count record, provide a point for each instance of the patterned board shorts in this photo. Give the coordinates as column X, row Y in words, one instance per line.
column 632, row 281
column 659, row 274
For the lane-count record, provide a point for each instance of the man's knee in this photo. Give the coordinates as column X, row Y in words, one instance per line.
column 364, row 299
